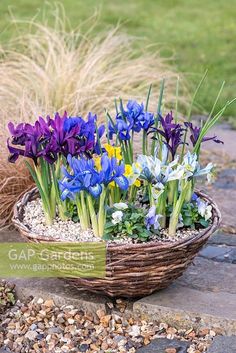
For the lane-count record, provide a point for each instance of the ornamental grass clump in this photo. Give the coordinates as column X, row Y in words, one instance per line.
column 92, row 174
column 47, row 68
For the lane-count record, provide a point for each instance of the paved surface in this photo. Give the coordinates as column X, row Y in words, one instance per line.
column 224, row 194
column 224, row 156
column 226, row 134
column 223, row 344
column 162, row 345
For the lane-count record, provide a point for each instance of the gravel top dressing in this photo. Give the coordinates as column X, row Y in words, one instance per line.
column 68, row 230
column 39, row 326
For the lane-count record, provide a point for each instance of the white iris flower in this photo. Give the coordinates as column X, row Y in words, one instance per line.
column 193, row 168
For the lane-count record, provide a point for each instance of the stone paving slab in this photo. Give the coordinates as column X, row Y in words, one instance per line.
column 60, row 291
column 182, row 306
column 225, row 133
column 219, row 253
column 222, row 344
column 212, row 276
column 224, row 190
column 161, row 345
column 226, row 200
column 10, row 236
column 221, row 238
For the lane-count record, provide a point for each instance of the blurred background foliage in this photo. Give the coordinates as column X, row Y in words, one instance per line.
column 193, row 34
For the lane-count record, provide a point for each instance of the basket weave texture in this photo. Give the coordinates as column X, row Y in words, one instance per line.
column 133, row 270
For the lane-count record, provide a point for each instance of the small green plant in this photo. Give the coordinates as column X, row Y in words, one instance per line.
column 7, row 295
column 126, row 220
column 192, row 218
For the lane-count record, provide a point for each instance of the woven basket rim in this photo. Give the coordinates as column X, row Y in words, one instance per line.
column 205, row 233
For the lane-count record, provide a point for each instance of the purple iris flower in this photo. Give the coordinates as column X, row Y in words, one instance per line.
column 65, row 138
column 85, row 132
column 145, row 121
column 18, row 134
column 133, row 109
column 53, row 136
column 72, row 122
column 171, row 132
column 195, row 132
column 34, row 141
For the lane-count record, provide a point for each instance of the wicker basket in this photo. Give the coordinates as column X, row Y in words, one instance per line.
column 133, row 270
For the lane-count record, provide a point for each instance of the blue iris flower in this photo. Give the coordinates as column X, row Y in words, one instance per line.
column 72, row 122
column 122, row 128
column 112, row 171
column 133, row 118
column 85, row 177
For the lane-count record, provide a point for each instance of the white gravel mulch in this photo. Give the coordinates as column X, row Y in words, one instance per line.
column 60, row 230
column 70, row 231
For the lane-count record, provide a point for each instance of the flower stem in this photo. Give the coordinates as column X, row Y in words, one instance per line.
column 144, row 149
column 161, row 208
column 159, row 106
column 93, row 216
column 102, row 213
column 150, row 196
column 172, row 192
column 189, row 192
column 80, row 213
column 174, row 218
column 84, row 210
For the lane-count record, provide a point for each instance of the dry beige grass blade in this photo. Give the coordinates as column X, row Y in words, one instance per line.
column 15, row 180
column 48, row 69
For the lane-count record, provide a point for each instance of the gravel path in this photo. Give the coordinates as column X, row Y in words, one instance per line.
column 40, row 326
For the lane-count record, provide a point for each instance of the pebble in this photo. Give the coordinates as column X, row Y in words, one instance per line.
column 33, row 327
column 49, row 303
column 71, row 321
column 53, row 330
column 171, row 350
column 40, row 301
column 134, row 331
column 31, row 335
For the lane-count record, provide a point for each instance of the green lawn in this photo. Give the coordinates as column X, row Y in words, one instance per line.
column 199, row 33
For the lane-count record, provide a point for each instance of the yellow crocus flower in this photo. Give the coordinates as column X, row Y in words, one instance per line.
column 97, row 162
column 137, row 183
column 129, row 173
column 113, row 151
column 128, row 170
